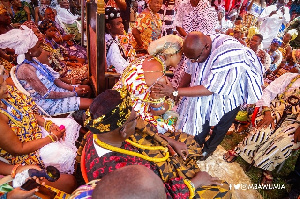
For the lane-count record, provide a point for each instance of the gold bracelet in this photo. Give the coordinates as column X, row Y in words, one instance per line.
column 51, row 138
column 156, row 101
column 171, row 103
column 265, row 109
column 191, row 187
column 47, row 125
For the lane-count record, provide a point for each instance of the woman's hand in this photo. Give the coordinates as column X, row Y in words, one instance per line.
column 18, row 193
column 202, row 178
column 81, row 92
column 266, row 121
column 54, row 129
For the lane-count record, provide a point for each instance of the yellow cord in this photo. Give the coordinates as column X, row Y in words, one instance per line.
column 132, row 153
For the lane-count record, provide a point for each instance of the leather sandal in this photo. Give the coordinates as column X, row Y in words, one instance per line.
column 230, row 153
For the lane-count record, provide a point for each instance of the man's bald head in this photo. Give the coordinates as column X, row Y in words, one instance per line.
column 197, row 46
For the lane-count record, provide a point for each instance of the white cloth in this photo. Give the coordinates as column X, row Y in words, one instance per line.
column 65, row 15
column 232, row 72
column 113, row 56
column 276, row 87
column 270, row 25
column 62, row 154
column 19, row 40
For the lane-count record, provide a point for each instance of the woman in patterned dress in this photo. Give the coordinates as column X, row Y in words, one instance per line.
column 147, row 26
column 28, row 138
column 39, row 80
column 139, row 77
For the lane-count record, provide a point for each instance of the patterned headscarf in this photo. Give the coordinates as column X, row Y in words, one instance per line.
column 111, row 13
column 296, row 56
column 19, row 40
column 45, row 25
column 167, row 45
column 109, row 111
column 276, row 41
column 293, row 33
column 2, row 9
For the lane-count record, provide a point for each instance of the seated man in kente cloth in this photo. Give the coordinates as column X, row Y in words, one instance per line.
column 119, row 138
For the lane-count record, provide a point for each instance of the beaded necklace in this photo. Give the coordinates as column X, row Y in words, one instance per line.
column 17, row 121
column 161, row 61
column 42, row 69
column 132, row 153
column 282, row 96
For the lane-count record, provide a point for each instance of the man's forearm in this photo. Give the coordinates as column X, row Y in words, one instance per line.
column 194, row 91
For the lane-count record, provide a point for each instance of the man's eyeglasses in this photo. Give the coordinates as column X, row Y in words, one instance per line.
column 193, row 60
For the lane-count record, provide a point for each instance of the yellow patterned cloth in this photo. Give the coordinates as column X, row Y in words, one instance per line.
column 150, row 27
column 7, row 65
column 27, row 130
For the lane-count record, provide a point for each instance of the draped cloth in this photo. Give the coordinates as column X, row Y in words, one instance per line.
column 232, row 72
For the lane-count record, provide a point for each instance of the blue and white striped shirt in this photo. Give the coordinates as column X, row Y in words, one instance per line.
column 232, row 72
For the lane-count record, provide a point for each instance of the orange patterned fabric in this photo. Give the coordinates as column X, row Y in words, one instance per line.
column 150, row 27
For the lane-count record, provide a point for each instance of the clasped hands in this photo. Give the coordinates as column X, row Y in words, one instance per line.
column 81, row 92
column 56, row 131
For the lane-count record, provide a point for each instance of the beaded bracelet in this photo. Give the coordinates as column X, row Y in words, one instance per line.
column 13, row 171
column 191, row 187
column 162, row 107
column 51, row 138
column 47, row 125
column 171, row 103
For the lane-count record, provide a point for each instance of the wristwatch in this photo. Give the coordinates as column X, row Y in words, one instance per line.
column 175, row 93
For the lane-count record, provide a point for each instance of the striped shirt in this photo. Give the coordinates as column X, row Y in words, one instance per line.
column 232, row 72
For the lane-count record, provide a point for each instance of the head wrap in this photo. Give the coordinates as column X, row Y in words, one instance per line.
column 109, row 111
column 19, row 40
column 30, row 24
column 276, row 40
column 2, row 9
column 167, row 45
column 45, row 25
column 111, row 13
column 296, row 56
column 293, row 33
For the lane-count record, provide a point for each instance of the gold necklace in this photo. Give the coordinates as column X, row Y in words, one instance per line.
column 132, row 153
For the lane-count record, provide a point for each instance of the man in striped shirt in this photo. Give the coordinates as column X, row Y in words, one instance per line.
column 222, row 74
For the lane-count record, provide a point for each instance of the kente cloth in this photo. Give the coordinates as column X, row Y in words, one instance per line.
column 133, row 80
column 270, row 26
column 28, row 130
column 51, row 106
column 203, row 17
column 85, row 191
column 59, row 154
column 149, row 25
column 251, row 17
column 232, row 72
column 264, row 146
column 21, row 15
column 173, row 171
column 283, row 48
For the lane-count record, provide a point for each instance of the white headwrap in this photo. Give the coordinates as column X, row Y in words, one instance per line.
column 19, row 40
column 167, row 45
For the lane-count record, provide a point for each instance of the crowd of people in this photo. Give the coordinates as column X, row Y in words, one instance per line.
column 226, row 59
